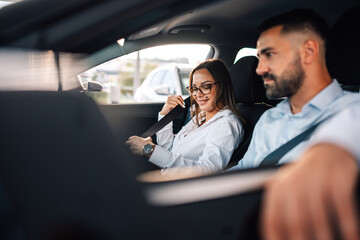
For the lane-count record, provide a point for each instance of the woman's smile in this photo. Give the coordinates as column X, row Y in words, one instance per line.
column 202, row 102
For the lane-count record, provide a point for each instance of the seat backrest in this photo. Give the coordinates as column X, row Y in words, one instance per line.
column 62, row 168
column 248, row 86
column 343, row 50
column 251, row 100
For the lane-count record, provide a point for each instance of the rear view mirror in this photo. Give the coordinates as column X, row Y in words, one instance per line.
column 93, row 86
column 162, row 90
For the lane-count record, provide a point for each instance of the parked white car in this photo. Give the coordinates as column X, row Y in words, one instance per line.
column 164, row 81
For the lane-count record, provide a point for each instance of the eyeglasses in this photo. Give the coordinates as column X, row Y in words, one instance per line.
column 203, row 88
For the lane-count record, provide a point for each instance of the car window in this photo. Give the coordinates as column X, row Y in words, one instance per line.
column 149, row 75
column 32, row 70
column 171, row 80
column 185, row 77
column 157, row 79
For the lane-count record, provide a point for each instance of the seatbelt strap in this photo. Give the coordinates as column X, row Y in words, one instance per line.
column 274, row 157
column 167, row 119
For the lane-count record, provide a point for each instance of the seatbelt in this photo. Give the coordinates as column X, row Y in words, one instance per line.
column 167, row 119
column 274, row 157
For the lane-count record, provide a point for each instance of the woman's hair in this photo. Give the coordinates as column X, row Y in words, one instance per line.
column 224, row 95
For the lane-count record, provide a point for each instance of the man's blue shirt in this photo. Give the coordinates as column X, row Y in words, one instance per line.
column 278, row 125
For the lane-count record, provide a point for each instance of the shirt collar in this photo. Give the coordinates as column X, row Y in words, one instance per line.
column 221, row 113
column 326, row 96
column 320, row 101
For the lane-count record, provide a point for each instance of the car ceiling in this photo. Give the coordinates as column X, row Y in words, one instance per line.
column 87, row 26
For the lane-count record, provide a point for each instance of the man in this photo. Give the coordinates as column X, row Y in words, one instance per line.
column 313, row 198
column 291, row 49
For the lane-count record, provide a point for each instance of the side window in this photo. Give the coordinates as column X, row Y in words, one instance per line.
column 149, row 75
column 185, row 80
column 170, row 80
column 157, row 79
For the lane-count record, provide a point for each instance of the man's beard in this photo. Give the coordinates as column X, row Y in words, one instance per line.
column 288, row 83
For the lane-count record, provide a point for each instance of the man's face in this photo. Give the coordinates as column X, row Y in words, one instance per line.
column 279, row 65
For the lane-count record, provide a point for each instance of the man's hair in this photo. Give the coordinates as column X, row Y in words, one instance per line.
column 297, row 20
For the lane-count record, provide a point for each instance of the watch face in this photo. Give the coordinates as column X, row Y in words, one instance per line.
column 148, row 148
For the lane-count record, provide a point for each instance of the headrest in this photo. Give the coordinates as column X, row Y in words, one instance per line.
column 343, row 49
column 248, row 86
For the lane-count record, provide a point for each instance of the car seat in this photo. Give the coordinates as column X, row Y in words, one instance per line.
column 250, row 98
column 343, row 50
column 61, row 168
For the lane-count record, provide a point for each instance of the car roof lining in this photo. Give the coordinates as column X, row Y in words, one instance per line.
column 232, row 23
column 91, row 31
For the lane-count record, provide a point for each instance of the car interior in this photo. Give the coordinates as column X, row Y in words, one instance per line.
column 65, row 171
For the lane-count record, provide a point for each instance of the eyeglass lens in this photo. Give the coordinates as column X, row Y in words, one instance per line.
column 204, row 89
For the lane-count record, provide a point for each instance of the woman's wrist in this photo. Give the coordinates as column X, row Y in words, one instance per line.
column 148, row 149
column 149, row 156
column 163, row 112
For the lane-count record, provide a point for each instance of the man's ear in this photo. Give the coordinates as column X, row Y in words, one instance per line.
column 311, row 49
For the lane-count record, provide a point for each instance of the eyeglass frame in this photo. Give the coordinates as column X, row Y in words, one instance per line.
column 198, row 89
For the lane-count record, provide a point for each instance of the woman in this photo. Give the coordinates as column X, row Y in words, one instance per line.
column 207, row 141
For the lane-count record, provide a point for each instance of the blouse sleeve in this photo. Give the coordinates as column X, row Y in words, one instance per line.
column 165, row 137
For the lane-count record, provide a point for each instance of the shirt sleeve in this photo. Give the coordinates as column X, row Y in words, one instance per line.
column 165, row 136
column 219, row 146
column 342, row 130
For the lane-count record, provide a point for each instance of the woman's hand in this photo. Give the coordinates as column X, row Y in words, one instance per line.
column 171, row 102
column 136, row 144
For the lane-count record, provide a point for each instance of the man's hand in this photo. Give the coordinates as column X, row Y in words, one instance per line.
column 313, row 198
column 136, row 144
column 172, row 102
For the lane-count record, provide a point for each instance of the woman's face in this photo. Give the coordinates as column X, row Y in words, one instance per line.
column 201, row 79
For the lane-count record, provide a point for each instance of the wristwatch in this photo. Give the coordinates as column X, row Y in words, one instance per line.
column 148, row 149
